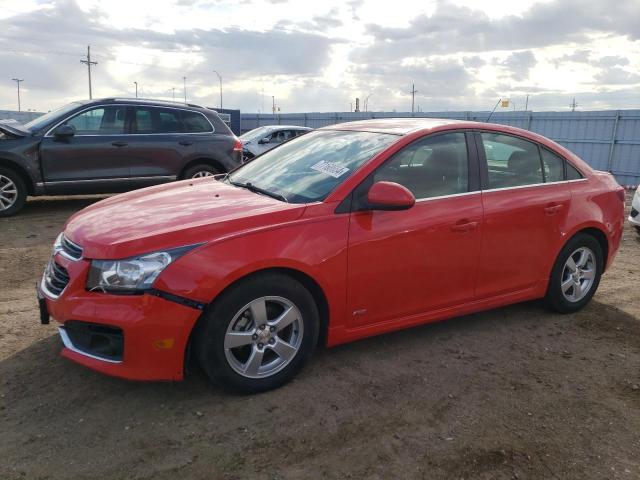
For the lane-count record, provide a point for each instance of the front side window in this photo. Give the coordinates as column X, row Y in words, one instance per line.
column 309, row 167
column 511, row 161
column 431, row 167
column 99, row 121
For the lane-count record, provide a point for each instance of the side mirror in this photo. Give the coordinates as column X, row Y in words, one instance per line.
column 389, row 196
column 64, row 131
column 264, row 140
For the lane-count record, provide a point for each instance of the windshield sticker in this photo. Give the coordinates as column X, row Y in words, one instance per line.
column 330, row 168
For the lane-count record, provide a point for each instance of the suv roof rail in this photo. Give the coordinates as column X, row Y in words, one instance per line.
column 150, row 100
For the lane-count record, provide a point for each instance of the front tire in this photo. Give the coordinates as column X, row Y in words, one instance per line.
column 576, row 274
column 13, row 192
column 258, row 334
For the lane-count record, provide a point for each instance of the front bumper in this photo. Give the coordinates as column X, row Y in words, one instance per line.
column 634, row 217
column 154, row 331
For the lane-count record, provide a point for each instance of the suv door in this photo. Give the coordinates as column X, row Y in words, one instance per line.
column 406, row 263
column 159, row 146
column 92, row 160
column 525, row 201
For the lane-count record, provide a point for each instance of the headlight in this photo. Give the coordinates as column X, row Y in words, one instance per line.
column 131, row 275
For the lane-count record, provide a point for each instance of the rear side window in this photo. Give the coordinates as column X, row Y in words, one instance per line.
column 432, row 167
column 573, row 173
column 143, row 121
column 553, row 166
column 194, row 122
column 511, row 161
column 169, row 121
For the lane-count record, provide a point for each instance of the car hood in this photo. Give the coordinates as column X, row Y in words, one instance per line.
column 14, row 128
column 173, row 215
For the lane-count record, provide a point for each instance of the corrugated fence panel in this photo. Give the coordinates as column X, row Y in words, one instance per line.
column 607, row 140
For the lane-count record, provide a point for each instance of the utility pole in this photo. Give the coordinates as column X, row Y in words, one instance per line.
column 357, row 105
column 366, row 103
column 18, row 80
column 573, row 105
column 413, row 96
column 220, row 79
column 526, row 103
column 88, row 63
column 173, row 93
column 273, row 104
column 184, row 82
column 136, row 89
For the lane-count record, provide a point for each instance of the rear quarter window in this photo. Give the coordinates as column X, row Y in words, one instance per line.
column 573, row 173
column 195, row 122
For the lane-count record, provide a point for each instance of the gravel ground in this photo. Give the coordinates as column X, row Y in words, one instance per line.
column 516, row 392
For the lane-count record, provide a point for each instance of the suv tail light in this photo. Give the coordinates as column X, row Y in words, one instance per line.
column 237, row 146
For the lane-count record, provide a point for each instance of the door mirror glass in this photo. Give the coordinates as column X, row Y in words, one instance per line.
column 389, row 196
column 65, row 131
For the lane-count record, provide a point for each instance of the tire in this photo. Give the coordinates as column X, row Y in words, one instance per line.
column 570, row 289
column 200, row 170
column 236, row 319
column 13, row 192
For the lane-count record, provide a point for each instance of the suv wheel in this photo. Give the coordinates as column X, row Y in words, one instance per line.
column 259, row 334
column 201, row 170
column 13, row 192
column 576, row 274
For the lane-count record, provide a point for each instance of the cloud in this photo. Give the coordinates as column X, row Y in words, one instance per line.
column 519, row 64
column 617, row 76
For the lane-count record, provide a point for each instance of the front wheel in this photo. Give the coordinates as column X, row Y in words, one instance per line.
column 13, row 192
column 200, row 171
column 576, row 274
column 258, row 334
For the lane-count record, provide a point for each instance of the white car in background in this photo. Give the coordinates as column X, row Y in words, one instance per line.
column 634, row 218
column 262, row 139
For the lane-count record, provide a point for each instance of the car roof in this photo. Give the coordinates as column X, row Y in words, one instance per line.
column 397, row 126
column 145, row 101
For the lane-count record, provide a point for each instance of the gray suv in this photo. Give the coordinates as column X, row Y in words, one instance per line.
column 111, row 145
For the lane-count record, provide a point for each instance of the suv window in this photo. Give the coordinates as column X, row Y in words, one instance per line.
column 194, row 122
column 511, row 161
column 143, row 121
column 431, row 167
column 169, row 121
column 99, row 121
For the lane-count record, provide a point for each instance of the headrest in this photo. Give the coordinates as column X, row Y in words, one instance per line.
column 523, row 162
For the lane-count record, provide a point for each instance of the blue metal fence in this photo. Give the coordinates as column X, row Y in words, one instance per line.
column 607, row 140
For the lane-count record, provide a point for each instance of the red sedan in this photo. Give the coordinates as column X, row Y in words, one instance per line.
column 349, row 231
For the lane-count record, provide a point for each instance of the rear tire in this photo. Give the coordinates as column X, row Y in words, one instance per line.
column 258, row 334
column 200, row 170
column 576, row 274
column 13, row 192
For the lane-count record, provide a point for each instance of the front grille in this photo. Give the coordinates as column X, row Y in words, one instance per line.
column 55, row 278
column 634, row 213
column 98, row 341
column 70, row 249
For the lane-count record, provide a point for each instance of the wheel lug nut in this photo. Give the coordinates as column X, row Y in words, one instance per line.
column 262, row 327
column 260, row 345
column 254, row 336
column 272, row 329
column 272, row 341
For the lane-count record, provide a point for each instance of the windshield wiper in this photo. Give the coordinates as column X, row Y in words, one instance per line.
column 252, row 188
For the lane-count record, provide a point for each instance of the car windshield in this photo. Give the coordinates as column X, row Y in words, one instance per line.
column 308, row 168
column 255, row 134
column 43, row 120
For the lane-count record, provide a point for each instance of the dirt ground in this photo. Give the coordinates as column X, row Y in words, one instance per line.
column 511, row 393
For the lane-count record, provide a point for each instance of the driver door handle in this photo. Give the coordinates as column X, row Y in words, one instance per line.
column 463, row 226
column 119, row 144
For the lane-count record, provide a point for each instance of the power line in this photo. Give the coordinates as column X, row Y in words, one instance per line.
column 88, row 62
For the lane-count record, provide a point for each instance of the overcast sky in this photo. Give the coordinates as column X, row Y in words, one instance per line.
column 320, row 55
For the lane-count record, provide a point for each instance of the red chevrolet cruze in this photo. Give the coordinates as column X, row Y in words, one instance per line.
column 349, row 231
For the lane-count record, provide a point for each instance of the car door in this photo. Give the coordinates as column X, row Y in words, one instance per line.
column 159, row 145
column 92, row 159
column 404, row 263
column 525, row 201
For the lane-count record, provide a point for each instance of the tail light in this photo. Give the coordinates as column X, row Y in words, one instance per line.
column 237, row 146
column 621, row 194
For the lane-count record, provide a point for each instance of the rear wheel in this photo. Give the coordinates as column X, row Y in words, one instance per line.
column 200, row 171
column 13, row 192
column 576, row 274
column 259, row 334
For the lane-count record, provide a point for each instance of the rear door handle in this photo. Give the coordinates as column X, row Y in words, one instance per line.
column 464, row 226
column 552, row 208
column 119, row 144
column 185, row 143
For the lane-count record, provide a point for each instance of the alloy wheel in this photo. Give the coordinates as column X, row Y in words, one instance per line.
column 263, row 337
column 578, row 274
column 8, row 193
column 202, row 173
